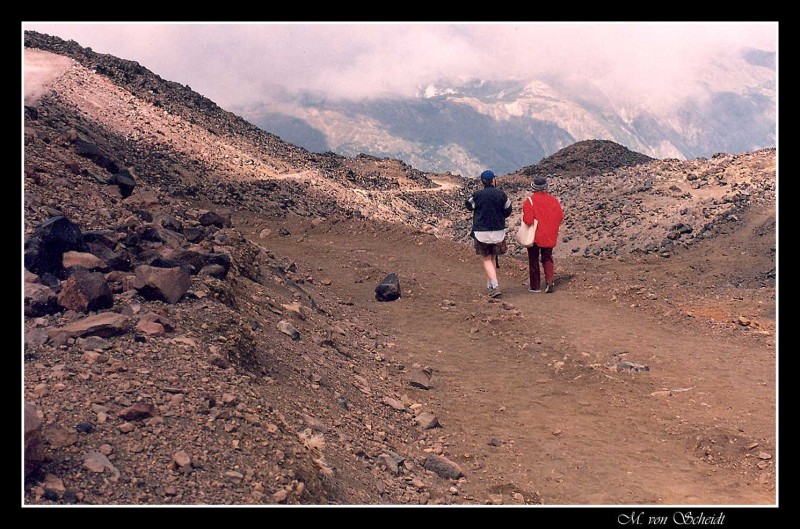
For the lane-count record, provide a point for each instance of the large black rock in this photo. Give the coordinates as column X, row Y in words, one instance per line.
column 212, row 218
column 189, row 260
column 169, row 222
column 107, row 238
column 150, row 233
column 124, row 181
column 389, row 289
column 192, row 262
column 161, row 262
column 45, row 248
column 91, row 151
column 218, row 259
column 194, row 234
column 115, row 259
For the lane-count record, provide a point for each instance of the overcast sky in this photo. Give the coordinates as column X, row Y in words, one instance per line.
column 238, row 65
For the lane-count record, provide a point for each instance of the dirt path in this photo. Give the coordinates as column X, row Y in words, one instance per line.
column 443, row 185
column 312, row 176
column 531, row 376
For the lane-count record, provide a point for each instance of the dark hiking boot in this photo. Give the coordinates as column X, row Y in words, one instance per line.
column 548, row 288
column 494, row 292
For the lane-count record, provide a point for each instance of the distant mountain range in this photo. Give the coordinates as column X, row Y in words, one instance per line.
column 506, row 125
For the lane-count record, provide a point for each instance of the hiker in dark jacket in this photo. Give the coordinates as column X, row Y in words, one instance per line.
column 491, row 208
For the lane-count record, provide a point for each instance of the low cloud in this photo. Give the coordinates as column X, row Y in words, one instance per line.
column 240, row 65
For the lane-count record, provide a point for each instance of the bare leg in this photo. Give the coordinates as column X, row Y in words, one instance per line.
column 488, row 267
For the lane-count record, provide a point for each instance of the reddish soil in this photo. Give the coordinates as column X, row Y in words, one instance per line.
column 531, row 374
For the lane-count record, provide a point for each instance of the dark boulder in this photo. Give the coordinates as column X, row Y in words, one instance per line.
column 194, row 234
column 94, row 153
column 142, row 255
column 106, row 238
column 51, row 281
column 150, row 233
column 389, row 289
column 132, row 239
column 115, row 260
column 139, row 412
column 212, row 218
column 144, row 215
column 84, row 291
column 218, row 259
column 189, row 260
column 682, row 228
column 31, row 113
column 169, row 222
column 44, row 250
column 171, row 238
column 163, row 262
column 124, row 181
column 442, row 466
column 214, row 270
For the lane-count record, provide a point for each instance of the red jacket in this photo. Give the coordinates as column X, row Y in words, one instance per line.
column 548, row 212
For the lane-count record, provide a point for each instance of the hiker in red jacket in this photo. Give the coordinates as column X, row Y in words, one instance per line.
column 544, row 208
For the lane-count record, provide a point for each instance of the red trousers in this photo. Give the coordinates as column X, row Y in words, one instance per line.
column 533, row 265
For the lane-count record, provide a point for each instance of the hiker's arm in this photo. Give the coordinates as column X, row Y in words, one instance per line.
column 507, row 208
column 470, row 203
column 528, row 214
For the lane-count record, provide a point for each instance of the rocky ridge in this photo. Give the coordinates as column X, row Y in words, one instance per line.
column 183, row 142
column 586, row 157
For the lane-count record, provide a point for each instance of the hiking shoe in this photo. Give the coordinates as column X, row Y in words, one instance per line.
column 494, row 292
column 534, row 290
column 548, row 288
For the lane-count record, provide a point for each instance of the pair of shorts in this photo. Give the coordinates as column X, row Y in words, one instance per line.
column 483, row 249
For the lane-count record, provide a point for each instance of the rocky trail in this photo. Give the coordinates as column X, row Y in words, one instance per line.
column 541, row 397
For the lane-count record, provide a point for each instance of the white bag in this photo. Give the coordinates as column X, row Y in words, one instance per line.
column 525, row 233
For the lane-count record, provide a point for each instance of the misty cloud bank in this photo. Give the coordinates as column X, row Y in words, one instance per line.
column 239, row 65
column 463, row 97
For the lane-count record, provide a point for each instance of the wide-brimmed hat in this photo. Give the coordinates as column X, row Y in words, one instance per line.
column 539, row 183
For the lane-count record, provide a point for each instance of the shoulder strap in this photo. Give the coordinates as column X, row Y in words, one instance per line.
column 530, row 199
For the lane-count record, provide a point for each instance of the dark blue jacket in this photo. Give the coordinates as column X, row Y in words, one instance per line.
column 491, row 206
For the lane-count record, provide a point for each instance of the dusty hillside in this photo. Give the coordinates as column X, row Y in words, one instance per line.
column 183, row 142
column 201, row 328
column 223, row 372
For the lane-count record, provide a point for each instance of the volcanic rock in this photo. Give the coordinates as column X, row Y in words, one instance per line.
column 164, row 284
column 388, row 289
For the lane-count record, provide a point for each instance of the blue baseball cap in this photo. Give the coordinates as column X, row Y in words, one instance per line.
column 487, row 175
